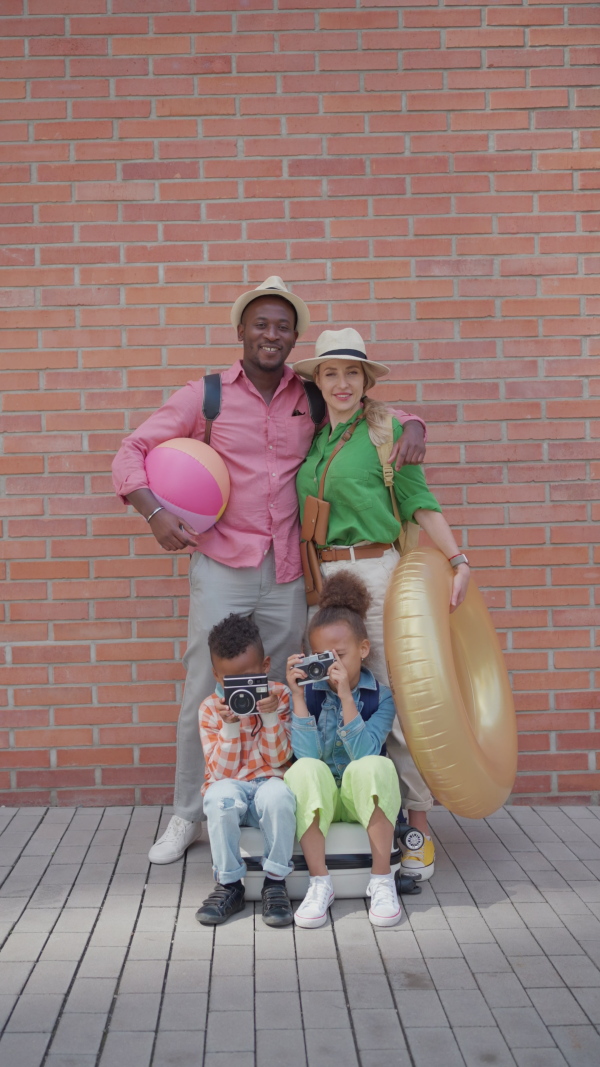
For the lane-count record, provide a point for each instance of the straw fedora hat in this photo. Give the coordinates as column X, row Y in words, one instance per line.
column 276, row 287
column 346, row 344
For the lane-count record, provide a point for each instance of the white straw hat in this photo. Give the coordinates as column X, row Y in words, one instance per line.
column 346, row 344
column 276, row 287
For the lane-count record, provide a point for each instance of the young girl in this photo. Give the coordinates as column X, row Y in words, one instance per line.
column 339, row 726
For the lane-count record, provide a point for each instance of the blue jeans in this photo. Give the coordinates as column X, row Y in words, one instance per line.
column 266, row 803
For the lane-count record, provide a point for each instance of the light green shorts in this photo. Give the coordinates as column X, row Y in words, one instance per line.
column 365, row 782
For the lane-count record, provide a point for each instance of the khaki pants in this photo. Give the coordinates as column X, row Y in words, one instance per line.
column 376, row 574
column 279, row 611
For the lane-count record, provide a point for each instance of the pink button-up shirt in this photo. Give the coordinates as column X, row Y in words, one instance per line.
column 262, row 445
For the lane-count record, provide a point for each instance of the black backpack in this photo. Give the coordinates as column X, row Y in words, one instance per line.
column 211, row 404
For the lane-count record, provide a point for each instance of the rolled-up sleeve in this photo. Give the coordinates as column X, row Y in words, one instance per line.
column 180, row 416
column 411, row 489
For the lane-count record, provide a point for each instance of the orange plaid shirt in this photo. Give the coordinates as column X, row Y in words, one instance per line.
column 231, row 750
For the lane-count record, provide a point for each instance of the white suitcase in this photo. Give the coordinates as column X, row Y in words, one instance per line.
column 349, row 861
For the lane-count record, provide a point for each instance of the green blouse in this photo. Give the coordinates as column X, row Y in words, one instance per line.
column 361, row 509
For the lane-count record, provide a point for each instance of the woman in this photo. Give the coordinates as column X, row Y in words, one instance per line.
column 362, row 527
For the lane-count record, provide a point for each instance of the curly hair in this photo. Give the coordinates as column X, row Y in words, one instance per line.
column 344, row 598
column 233, row 635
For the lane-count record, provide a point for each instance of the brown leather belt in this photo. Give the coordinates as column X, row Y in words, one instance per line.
column 333, row 555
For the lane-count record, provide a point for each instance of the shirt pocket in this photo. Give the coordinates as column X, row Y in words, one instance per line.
column 294, row 437
column 354, row 489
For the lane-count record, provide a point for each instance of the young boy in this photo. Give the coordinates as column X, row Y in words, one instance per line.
column 246, row 759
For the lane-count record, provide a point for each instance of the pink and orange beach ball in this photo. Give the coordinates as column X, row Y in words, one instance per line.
column 189, row 479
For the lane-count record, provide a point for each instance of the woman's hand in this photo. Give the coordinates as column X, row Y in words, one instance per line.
column 459, row 586
column 293, row 674
column 410, row 447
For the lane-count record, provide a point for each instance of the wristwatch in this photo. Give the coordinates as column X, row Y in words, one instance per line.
column 455, row 561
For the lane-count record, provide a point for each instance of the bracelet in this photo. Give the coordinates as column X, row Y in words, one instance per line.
column 155, row 512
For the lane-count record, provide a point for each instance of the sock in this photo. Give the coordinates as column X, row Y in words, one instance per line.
column 233, row 885
column 271, row 879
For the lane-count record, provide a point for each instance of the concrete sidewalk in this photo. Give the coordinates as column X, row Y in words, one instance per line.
column 496, row 963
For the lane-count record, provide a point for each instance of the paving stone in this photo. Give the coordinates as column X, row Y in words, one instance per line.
column 79, row 1034
column 142, row 976
column 448, row 974
column 135, row 1011
column 438, row 943
column 183, row 1011
column 431, row 1045
column 221, row 1036
column 335, row 1047
column 130, row 1049
column 22, row 1050
column 590, row 1002
column 466, row 1007
column 381, row 1058
column 183, row 1049
column 232, row 961
column 482, row 1045
column 51, row 976
column 147, row 945
column 364, row 959
column 280, row 976
column 22, row 947
column 91, row 995
column 277, row 1011
column 576, row 971
column 196, row 946
column 13, row 976
column 557, row 1007
column 315, row 944
column 522, row 1028
column 223, row 1059
column 279, row 1047
column 556, row 942
column 37, row 920
column 35, row 1014
column 188, row 976
column 232, row 994
column 324, row 1009
column 64, row 946
column 274, row 945
column 580, row 1045
column 471, row 931
column 503, row 990
column 69, row 1059
column 372, row 994
column 76, row 920
column 377, row 1028
column 102, row 963
column 539, row 1057
column 417, row 1007
column 485, row 958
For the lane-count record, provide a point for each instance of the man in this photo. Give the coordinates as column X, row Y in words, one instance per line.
column 249, row 562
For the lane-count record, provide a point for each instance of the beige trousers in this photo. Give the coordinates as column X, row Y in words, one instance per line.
column 376, row 574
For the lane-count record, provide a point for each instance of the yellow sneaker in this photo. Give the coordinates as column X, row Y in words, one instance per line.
column 418, row 863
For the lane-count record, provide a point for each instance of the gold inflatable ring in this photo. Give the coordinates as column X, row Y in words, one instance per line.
column 450, row 686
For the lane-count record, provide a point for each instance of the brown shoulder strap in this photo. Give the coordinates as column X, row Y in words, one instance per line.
column 342, row 441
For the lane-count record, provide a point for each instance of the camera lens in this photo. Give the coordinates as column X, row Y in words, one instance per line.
column 242, row 702
column 315, row 670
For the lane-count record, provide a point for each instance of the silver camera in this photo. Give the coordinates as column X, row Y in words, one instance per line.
column 315, row 667
column 242, row 692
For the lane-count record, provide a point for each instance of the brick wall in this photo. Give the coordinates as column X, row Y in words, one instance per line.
column 424, row 171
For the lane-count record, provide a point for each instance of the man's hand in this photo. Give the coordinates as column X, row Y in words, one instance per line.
column 171, row 532
column 410, row 447
column 268, row 704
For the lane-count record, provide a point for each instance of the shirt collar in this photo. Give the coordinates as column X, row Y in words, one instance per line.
column 336, row 433
column 367, row 680
column 236, row 371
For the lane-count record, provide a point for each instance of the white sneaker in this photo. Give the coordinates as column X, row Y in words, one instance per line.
column 178, row 836
column 385, row 908
column 313, row 909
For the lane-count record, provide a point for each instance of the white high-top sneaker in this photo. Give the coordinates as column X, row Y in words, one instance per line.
column 313, row 909
column 178, row 836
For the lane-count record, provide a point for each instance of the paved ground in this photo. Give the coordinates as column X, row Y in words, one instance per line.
column 496, row 963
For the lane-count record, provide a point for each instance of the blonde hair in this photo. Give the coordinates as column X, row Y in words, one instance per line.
column 377, row 414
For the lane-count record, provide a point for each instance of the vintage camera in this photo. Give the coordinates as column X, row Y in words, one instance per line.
column 316, row 667
column 243, row 691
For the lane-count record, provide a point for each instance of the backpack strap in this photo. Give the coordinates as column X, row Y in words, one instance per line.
column 316, row 404
column 211, row 403
column 408, row 537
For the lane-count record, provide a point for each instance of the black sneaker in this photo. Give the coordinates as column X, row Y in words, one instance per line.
column 224, row 901
column 276, row 906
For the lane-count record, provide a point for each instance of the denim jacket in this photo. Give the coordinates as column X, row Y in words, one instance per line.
column 336, row 743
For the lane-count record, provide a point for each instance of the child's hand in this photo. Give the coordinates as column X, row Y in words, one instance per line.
column 268, row 704
column 338, row 675
column 225, row 712
column 293, row 673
